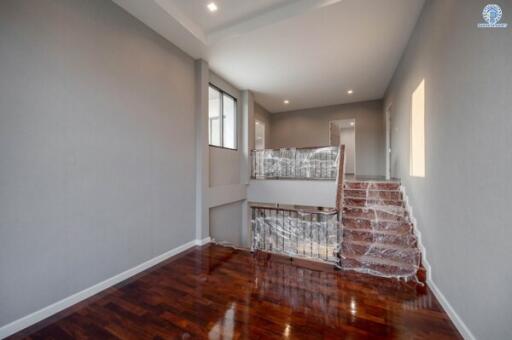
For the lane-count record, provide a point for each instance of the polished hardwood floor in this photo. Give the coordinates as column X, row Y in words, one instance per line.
column 222, row 293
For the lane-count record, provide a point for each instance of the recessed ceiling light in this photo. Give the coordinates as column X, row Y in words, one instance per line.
column 286, row 102
column 352, row 123
column 350, row 91
column 212, row 6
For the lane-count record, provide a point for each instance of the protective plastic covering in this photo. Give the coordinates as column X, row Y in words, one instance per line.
column 368, row 232
column 378, row 237
column 293, row 231
column 303, row 163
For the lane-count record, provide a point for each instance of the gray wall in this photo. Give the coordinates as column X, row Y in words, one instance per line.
column 225, row 163
column 97, row 148
column 310, row 127
column 224, row 166
column 463, row 204
column 225, row 179
column 226, row 223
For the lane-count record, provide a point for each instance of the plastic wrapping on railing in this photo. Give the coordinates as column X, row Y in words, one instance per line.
column 378, row 237
column 297, row 233
column 309, row 163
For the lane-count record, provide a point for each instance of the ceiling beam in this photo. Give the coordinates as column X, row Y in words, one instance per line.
column 165, row 17
column 268, row 17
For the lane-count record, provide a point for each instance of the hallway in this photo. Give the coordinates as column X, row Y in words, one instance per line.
column 143, row 141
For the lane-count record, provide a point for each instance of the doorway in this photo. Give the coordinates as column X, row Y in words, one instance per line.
column 343, row 131
column 259, row 135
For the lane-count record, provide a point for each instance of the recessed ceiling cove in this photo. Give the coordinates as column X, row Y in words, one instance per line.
column 310, row 52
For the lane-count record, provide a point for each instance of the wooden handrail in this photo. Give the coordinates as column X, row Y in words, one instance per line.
column 298, row 148
column 295, row 208
column 340, row 178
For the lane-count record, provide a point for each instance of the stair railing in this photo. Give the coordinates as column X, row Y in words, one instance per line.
column 308, row 232
column 295, row 163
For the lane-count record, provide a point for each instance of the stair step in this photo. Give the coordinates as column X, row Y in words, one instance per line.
column 395, row 253
column 395, row 214
column 392, row 195
column 366, row 224
column 371, row 185
column 392, row 209
column 363, row 202
column 384, row 237
column 378, row 237
column 377, row 266
column 381, row 245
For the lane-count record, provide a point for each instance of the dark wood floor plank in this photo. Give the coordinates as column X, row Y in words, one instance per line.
column 220, row 292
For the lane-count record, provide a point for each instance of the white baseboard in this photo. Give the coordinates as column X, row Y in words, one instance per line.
column 457, row 321
column 58, row 306
column 48, row 311
column 417, row 232
column 203, row 241
column 454, row 317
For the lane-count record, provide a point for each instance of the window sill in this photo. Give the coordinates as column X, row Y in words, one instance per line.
column 222, row 147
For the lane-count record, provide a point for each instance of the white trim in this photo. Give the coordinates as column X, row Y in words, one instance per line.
column 457, row 321
column 203, row 241
column 417, row 232
column 69, row 301
column 387, row 118
column 452, row 314
column 58, row 306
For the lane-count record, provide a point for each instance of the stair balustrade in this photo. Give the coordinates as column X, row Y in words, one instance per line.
column 295, row 163
column 298, row 231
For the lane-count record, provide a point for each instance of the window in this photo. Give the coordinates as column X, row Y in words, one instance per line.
column 222, row 127
column 417, row 157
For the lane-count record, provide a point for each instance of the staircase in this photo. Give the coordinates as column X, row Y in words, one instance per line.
column 374, row 236
column 378, row 236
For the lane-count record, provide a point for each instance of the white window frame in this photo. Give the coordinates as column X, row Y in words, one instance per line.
column 221, row 118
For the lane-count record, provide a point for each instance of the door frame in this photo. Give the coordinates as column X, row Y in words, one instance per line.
column 256, row 122
column 333, row 122
column 387, row 115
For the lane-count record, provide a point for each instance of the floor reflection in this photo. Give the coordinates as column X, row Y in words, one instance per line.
column 224, row 328
column 299, row 300
column 221, row 293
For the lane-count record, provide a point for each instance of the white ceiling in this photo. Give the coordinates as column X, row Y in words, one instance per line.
column 307, row 51
column 230, row 11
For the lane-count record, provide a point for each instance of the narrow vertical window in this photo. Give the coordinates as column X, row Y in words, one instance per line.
column 222, row 120
column 417, row 157
column 229, row 121
column 214, row 124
